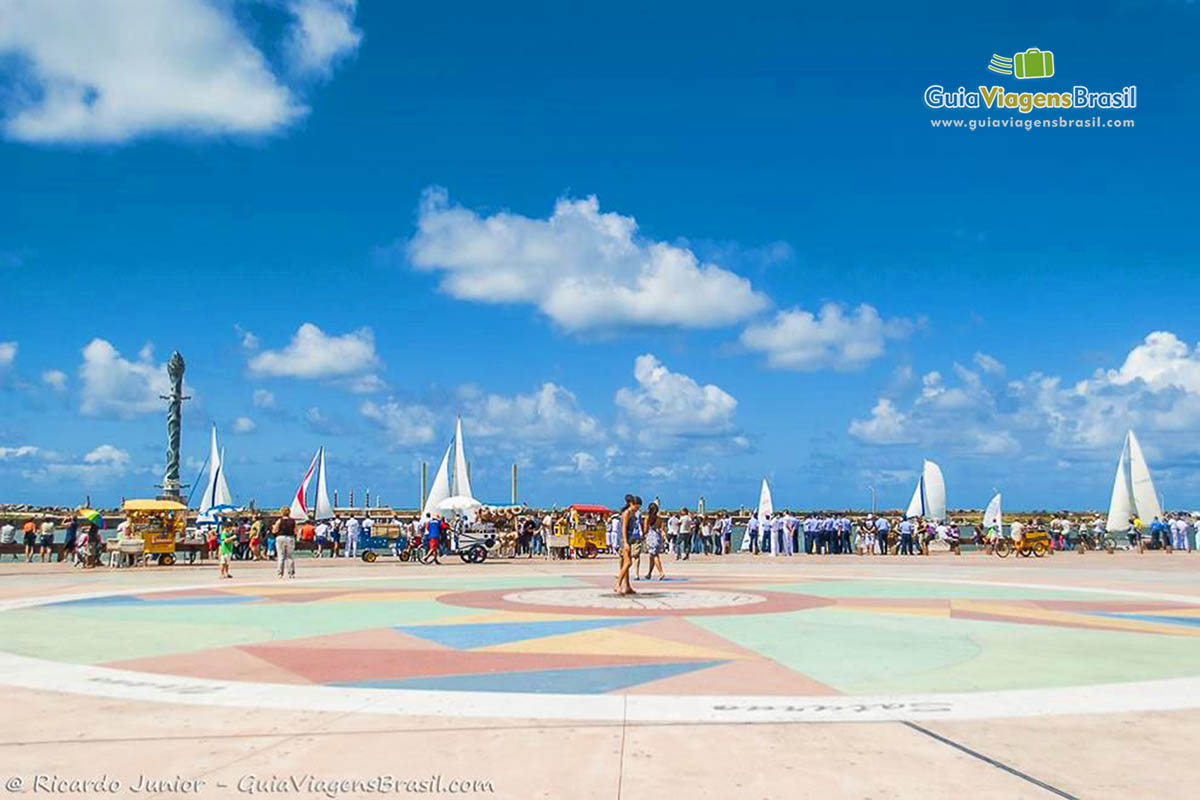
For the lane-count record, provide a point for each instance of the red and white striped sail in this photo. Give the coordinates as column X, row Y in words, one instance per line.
column 299, row 504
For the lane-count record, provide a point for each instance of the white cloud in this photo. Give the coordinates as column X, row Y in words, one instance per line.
column 264, row 398
column 106, row 454
column 837, row 339
column 21, row 451
column 989, row 364
column 243, row 425
column 113, row 70
column 367, row 384
column 314, row 354
column 667, row 405
column 403, row 424
column 581, row 463
column 886, row 425
column 8, row 354
column 114, row 385
column 321, row 34
column 1156, row 389
column 103, row 464
column 582, row 268
column 56, row 379
column 551, row 414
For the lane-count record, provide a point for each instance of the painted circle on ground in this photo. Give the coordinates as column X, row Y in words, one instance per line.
column 645, row 600
column 547, row 647
column 657, row 600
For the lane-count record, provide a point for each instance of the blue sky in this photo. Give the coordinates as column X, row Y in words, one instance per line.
column 663, row 250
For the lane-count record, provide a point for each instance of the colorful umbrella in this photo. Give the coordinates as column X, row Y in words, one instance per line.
column 91, row 515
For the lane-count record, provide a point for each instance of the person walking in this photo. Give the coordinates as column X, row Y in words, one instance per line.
column 285, row 542
column 686, row 524
column 655, row 544
column 631, row 541
column 228, row 542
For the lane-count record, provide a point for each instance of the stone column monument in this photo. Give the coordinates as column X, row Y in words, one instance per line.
column 171, row 486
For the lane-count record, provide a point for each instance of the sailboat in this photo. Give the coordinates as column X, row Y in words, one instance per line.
column 216, row 492
column 451, row 489
column 929, row 498
column 992, row 517
column 323, row 509
column 765, row 509
column 1133, row 491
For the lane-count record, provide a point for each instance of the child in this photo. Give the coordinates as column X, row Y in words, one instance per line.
column 228, row 541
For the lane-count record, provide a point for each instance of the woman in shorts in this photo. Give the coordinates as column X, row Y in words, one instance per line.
column 656, row 543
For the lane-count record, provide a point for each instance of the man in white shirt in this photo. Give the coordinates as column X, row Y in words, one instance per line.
column 353, row 529
column 322, row 538
column 789, row 533
column 672, row 533
column 686, row 524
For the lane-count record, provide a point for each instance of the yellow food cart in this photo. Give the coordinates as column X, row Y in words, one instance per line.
column 159, row 523
column 589, row 534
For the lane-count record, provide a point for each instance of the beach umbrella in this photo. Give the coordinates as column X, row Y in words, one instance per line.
column 90, row 515
column 210, row 517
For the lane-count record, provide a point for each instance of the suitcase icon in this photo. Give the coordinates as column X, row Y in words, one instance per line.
column 1033, row 63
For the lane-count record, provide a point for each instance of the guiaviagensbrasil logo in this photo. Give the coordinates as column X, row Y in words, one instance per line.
column 1033, row 63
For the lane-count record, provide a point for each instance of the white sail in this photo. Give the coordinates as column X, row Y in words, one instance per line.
column 439, row 490
column 222, row 496
column 324, row 508
column 216, row 493
column 766, row 508
column 1120, row 507
column 929, row 498
column 462, row 480
column 916, row 506
column 935, row 492
column 992, row 517
column 299, row 502
column 1145, row 498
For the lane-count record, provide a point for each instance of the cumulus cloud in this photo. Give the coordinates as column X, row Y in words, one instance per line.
column 314, row 354
column 666, row 406
column 101, row 465
column 582, row 268
column 550, row 414
column 8, row 354
column 404, row 425
column 580, row 463
column 56, row 379
column 1156, row 389
column 885, row 425
column 114, row 70
column 836, row 338
column 243, row 425
column 112, row 385
column 322, row 33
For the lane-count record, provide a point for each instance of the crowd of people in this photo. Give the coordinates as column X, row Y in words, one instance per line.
column 633, row 533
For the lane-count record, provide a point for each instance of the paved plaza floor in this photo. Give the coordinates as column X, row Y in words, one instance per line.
column 757, row 677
